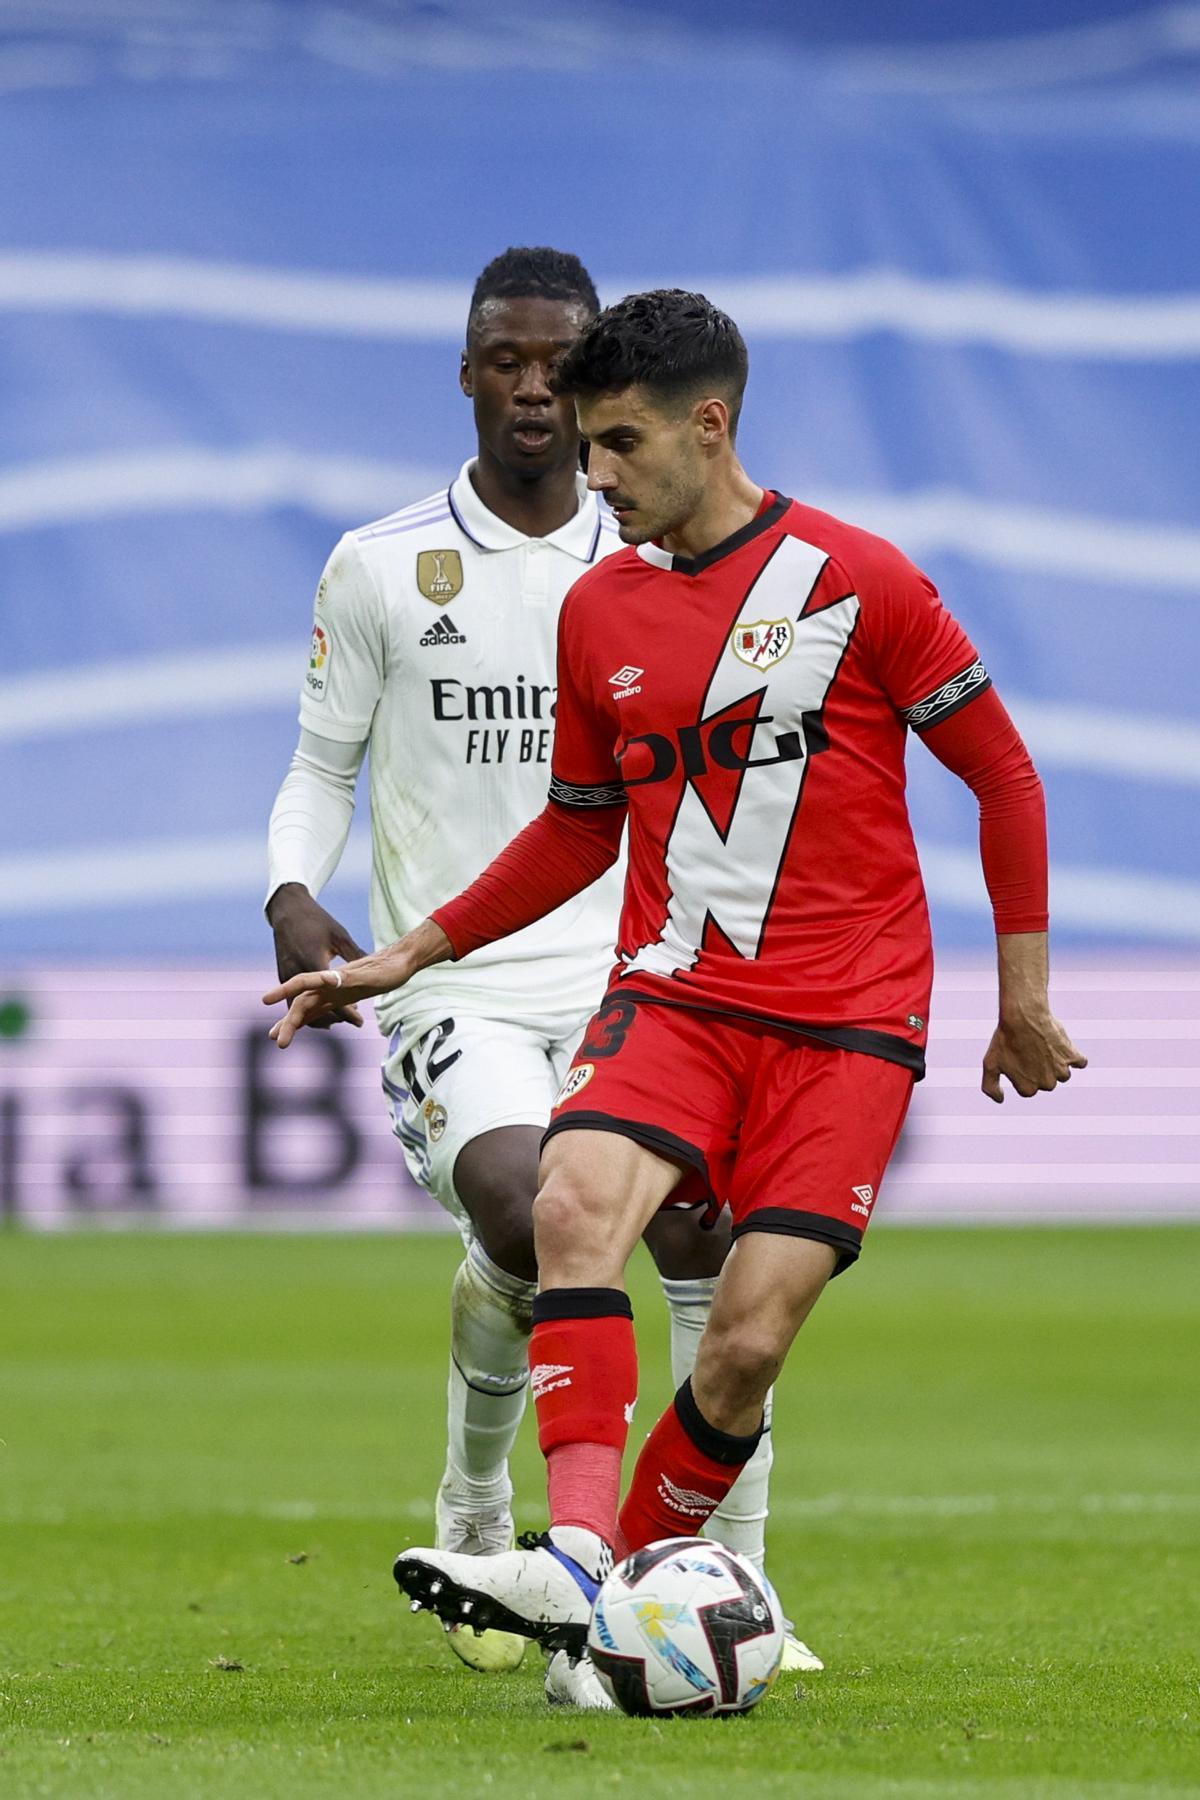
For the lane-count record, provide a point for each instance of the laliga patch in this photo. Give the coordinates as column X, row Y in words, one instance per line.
column 435, row 1120
column 439, row 575
column 764, row 642
column 577, row 1079
column 316, row 678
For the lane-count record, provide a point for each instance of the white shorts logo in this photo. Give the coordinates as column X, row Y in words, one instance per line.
column 547, row 1376
column 435, row 1120
column 577, row 1080
column 686, row 1501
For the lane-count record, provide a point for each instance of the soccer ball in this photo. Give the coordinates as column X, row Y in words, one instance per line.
column 686, row 1626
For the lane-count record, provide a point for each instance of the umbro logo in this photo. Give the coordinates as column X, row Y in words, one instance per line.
column 545, row 1377
column 862, row 1203
column 688, row 1501
column 442, row 631
column 624, row 681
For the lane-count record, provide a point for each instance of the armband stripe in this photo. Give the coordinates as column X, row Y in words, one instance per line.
column 594, row 793
column 947, row 699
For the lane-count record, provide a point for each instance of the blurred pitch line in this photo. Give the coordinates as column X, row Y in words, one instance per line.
column 91, row 878
column 1121, row 327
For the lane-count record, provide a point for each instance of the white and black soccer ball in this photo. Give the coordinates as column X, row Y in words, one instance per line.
column 686, row 1626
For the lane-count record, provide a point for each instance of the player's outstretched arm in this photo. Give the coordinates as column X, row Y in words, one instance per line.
column 553, row 859
column 1029, row 1047
column 981, row 744
column 319, row 995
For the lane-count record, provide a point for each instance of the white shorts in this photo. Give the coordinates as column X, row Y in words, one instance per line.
column 448, row 1080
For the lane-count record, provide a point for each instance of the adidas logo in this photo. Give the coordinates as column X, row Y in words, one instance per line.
column 442, row 631
column 545, row 1377
column 686, row 1501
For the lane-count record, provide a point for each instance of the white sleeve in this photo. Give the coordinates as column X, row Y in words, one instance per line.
column 310, row 819
column 348, row 656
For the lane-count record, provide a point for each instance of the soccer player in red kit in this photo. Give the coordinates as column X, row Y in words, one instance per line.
column 739, row 683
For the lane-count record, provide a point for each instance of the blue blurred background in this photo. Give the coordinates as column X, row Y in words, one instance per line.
column 236, row 243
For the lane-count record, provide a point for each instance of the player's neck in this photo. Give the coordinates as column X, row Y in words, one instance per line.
column 534, row 507
column 731, row 501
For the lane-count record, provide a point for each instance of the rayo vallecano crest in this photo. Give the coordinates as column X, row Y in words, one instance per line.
column 764, row 642
column 439, row 575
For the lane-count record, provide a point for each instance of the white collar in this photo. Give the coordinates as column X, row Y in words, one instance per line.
column 579, row 537
column 656, row 555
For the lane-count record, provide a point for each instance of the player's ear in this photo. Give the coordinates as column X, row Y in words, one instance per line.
column 464, row 375
column 712, row 418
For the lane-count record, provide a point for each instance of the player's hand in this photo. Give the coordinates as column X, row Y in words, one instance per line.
column 314, row 996
column 1033, row 1052
column 307, row 937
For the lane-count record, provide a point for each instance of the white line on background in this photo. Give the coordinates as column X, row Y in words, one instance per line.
column 349, row 489
column 224, row 679
column 104, row 875
column 969, row 1076
column 1098, row 1030
column 1123, row 327
column 996, row 1121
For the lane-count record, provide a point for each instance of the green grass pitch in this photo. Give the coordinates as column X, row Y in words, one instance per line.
column 987, row 1513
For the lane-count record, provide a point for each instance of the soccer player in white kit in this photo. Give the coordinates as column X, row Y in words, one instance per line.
column 434, row 644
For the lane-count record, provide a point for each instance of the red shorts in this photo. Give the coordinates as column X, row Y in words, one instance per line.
column 795, row 1134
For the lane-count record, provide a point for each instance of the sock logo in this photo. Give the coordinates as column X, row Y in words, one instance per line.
column 545, row 1377
column 629, row 1411
column 687, row 1501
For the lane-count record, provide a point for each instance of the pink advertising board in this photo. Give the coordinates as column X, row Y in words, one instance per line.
column 154, row 1096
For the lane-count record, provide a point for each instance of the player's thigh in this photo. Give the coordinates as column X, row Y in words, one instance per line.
column 820, row 1127
column 598, row 1190
column 664, row 1078
column 453, row 1080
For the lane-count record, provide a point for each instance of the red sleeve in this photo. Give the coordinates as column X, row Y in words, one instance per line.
column 583, row 764
column 918, row 647
column 553, row 859
column 980, row 743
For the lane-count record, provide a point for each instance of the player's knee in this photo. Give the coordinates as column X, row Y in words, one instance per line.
column 501, row 1210
column 569, row 1235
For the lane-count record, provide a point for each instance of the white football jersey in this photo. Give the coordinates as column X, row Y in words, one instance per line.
column 434, row 637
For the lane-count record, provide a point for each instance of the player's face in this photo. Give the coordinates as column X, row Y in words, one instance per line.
column 506, row 366
column 649, row 464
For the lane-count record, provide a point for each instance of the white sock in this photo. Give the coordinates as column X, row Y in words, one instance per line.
column 740, row 1521
column 491, row 1318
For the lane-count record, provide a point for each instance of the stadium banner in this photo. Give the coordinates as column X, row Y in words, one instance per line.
column 153, row 1097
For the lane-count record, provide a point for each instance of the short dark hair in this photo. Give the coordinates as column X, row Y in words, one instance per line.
column 675, row 343
column 534, row 271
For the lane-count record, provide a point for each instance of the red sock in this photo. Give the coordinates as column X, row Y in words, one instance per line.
column 685, row 1470
column 583, row 1371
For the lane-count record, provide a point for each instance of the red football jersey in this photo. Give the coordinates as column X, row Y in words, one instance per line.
column 752, row 706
